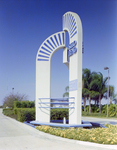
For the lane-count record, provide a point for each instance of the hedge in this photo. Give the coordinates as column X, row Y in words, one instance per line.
column 26, row 114
column 112, row 111
column 59, row 114
column 23, row 104
column 93, row 114
column 9, row 112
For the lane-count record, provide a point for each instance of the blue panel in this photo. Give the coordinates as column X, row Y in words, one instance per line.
column 43, row 56
column 53, row 41
column 73, row 34
column 59, row 107
column 56, row 39
column 44, row 53
column 57, row 103
column 73, row 85
column 45, row 49
column 50, row 44
column 43, row 59
column 59, row 38
column 63, row 38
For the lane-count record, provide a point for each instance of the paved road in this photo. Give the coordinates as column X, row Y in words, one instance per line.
column 18, row 136
column 100, row 120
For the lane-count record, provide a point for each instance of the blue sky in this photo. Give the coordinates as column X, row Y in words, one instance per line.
column 25, row 24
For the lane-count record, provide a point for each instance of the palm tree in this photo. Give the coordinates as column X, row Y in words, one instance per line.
column 99, row 85
column 66, row 94
column 87, row 89
column 115, row 98
column 84, row 96
column 111, row 93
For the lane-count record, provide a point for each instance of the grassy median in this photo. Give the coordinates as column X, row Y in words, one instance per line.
column 97, row 135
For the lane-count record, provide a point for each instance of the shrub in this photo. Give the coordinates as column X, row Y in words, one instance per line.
column 112, row 110
column 9, row 112
column 94, row 109
column 59, row 114
column 23, row 104
column 16, row 104
column 93, row 114
column 26, row 114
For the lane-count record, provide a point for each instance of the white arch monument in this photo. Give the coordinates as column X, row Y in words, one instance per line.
column 72, row 57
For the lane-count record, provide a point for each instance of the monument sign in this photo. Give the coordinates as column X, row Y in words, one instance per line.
column 72, row 58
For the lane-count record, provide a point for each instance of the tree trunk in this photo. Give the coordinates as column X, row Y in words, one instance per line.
column 95, row 102
column 84, row 103
column 89, row 105
column 99, row 104
column 110, row 101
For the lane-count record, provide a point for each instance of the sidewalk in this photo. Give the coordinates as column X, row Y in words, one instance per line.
column 15, row 135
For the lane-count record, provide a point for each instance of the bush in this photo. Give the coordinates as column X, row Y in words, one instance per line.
column 26, row 114
column 59, row 114
column 94, row 109
column 20, row 114
column 93, row 114
column 9, row 112
column 112, row 110
column 23, row 104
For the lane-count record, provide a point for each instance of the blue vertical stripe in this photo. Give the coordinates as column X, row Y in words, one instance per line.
column 53, row 41
column 43, row 59
column 50, row 44
column 73, row 34
column 43, row 56
column 73, row 24
column 44, row 53
column 59, row 38
column 47, row 46
column 63, row 38
column 56, row 39
column 45, row 49
column 73, row 30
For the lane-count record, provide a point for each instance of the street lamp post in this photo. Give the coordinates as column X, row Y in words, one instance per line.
column 12, row 90
column 106, row 68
